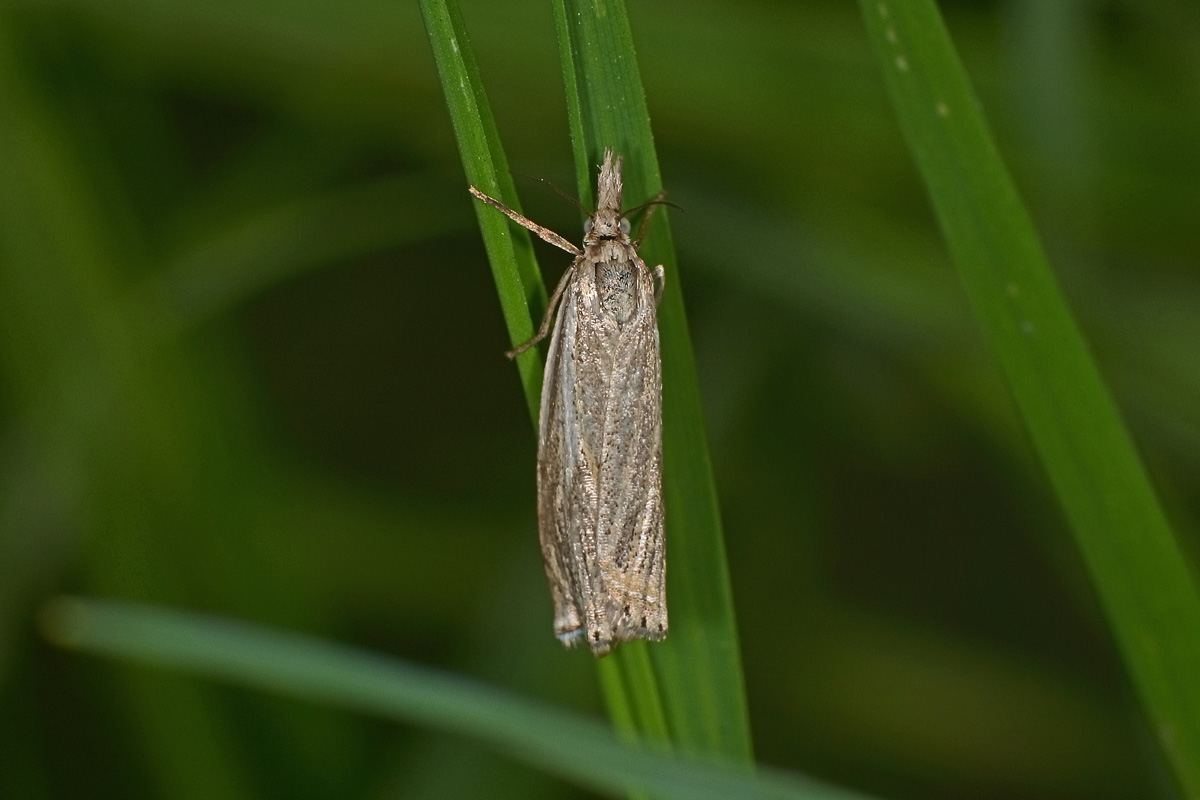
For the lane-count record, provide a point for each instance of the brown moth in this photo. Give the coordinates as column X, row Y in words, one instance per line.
column 600, row 509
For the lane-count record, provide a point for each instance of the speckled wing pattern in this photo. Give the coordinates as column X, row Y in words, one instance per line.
column 600, row 511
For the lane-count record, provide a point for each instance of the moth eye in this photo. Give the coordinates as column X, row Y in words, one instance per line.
column 624, row 226
column 588, row 225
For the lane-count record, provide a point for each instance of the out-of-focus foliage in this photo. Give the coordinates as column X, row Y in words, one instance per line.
column 251, row 362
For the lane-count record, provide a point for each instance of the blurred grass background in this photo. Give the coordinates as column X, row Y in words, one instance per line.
column 251, row 362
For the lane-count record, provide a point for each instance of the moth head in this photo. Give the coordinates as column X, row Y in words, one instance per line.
column 605, row 224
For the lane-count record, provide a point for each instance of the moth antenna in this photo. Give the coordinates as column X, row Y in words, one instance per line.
column 557, row 191
column 658, row 200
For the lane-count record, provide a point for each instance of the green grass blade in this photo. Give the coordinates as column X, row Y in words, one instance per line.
column 704, row 708
column 699, row 665
column 629, row 685
column 573, row 747
column 1138, row 571
column 510, row 252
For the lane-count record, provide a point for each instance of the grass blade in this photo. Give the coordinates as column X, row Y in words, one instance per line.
column 573, row 747
column 1138, row 571
column 510, row 252
column 699, row 665
column 628, row 683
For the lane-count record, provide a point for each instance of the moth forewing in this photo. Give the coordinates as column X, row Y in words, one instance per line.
column 600, row 512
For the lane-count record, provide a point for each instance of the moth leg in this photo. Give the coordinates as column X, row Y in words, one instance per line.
column 545, row 234
column 548, row 317
column 660, row 283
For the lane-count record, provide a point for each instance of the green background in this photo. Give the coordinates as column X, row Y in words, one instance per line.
column 252, row 364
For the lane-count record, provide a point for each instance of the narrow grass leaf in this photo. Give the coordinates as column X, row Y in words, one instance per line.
column 510, row 252
column 1139, row 573
column 567, row 745
column 699, row 666
column 633, row 704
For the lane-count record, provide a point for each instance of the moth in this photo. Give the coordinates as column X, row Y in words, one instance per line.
column 599, row 464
